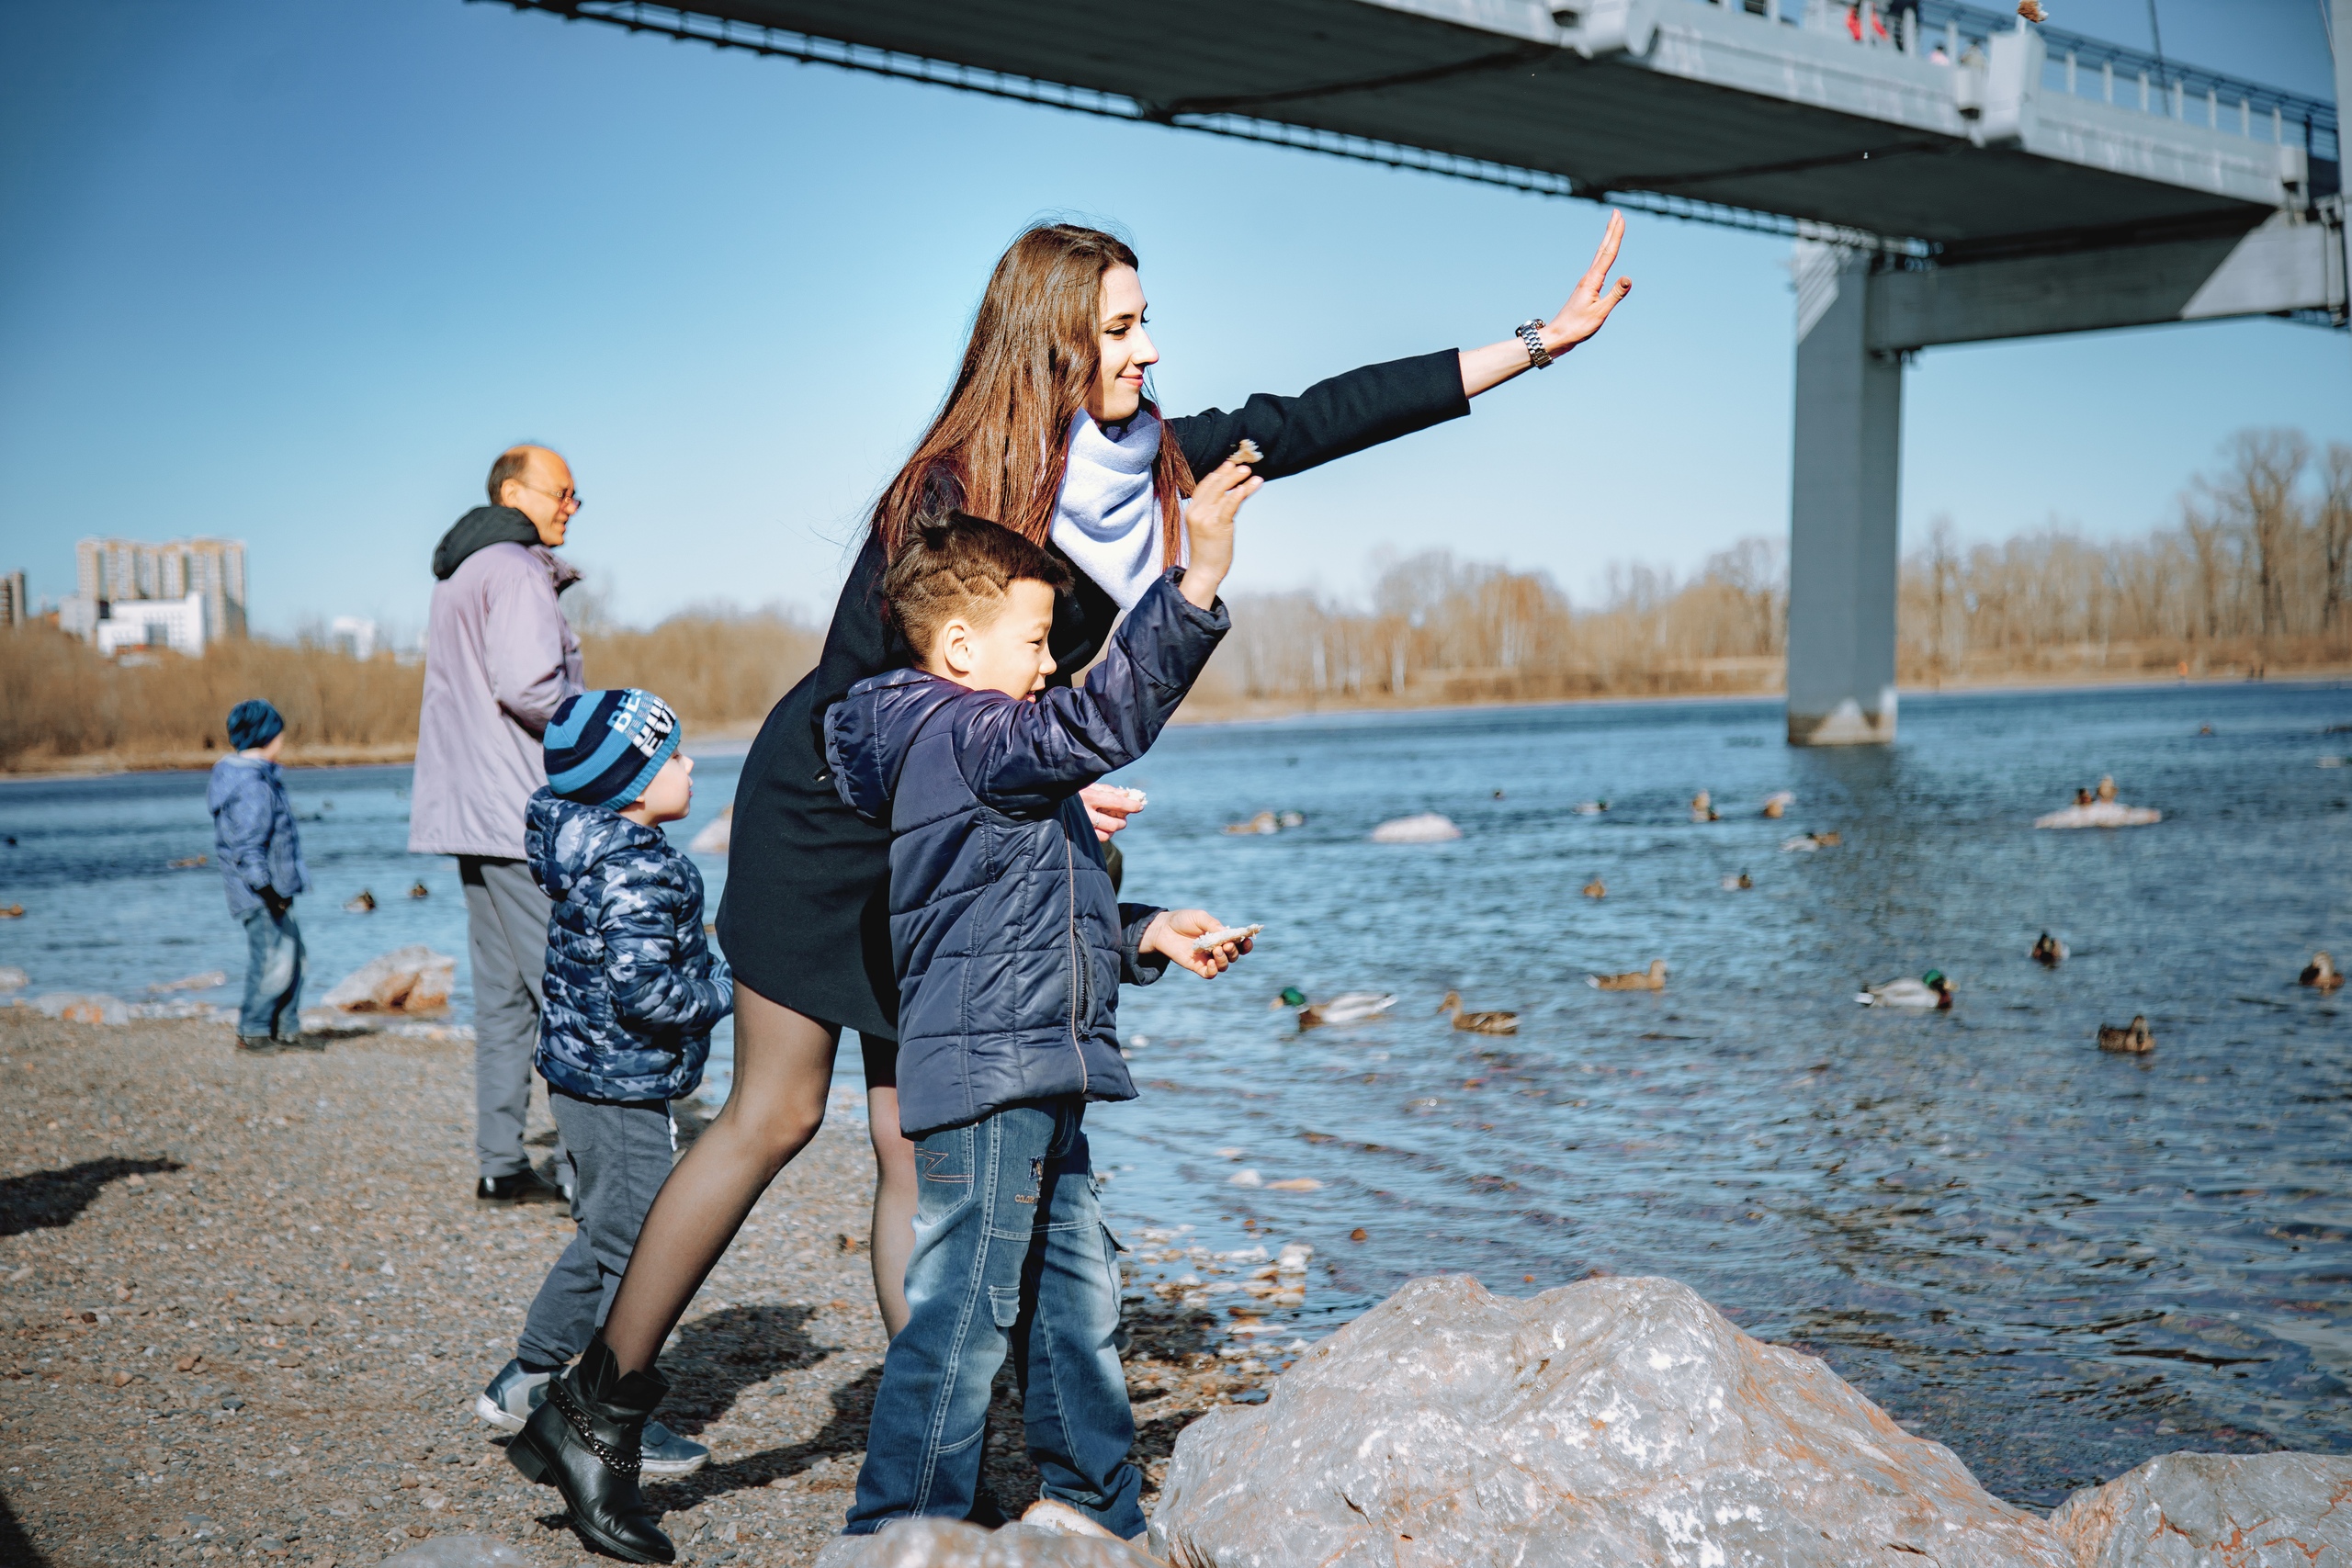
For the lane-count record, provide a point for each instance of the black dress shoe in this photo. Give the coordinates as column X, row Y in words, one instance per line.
column 517, row 1187
column 586, row 1441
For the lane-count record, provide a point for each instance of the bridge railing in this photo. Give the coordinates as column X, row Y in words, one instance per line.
column 1949, row 30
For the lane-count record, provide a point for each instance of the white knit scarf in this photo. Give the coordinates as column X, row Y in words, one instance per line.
column 1106, row 518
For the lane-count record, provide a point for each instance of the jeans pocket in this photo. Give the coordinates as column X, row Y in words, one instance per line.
column 1004, row 1304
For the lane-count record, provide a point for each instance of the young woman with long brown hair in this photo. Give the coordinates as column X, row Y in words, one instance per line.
column 1047, row 430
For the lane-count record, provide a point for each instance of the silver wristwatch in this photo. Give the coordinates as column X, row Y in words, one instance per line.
column 1530, row 332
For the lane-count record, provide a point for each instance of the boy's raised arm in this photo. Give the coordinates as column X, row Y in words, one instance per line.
column 1025, row 757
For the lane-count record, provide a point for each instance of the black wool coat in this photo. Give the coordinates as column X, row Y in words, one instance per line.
column 805, row 920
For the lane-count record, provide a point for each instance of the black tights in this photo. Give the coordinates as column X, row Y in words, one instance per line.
column 783, row 1068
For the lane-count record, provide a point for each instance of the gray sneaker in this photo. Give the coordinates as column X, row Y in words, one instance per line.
column 510, row 1397
column 514, row 1393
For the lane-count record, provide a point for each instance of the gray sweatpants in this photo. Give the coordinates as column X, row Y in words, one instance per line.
column 507, row 935
column 621, row 1156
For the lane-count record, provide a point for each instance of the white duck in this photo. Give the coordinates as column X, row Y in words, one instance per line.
column 1348, row 1006
column 1930, row 990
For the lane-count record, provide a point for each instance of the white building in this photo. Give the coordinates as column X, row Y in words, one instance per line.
column 112, row 572
column 352, row 636
column 175, row 623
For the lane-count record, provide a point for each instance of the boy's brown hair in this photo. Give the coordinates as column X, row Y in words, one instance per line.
column 961, row 565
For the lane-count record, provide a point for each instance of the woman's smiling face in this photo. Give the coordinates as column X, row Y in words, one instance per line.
column 1127, row 351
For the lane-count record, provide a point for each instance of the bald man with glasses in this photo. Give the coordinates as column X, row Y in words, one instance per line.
column 499, row 658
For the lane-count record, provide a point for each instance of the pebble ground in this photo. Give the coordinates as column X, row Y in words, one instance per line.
column 249, row 1302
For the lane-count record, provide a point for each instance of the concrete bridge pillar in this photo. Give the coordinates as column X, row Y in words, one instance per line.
column 1842, row 508
column 2339, row 35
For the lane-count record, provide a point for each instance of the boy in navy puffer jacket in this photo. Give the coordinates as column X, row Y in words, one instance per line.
column 1010, row 949
column 632, row 992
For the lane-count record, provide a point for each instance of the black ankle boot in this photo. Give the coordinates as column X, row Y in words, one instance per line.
column 584, row 1442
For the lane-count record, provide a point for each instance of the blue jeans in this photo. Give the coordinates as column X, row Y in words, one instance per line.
column 1011, row 1252
column 272, row 975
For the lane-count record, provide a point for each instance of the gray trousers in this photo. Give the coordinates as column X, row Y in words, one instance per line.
column 621, row 1156
column 506, row 934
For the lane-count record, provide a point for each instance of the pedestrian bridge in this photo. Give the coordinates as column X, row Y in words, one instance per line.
column 1951, row 174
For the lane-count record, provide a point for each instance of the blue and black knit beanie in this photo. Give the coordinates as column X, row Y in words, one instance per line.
column 603, row 747
column 252, row 723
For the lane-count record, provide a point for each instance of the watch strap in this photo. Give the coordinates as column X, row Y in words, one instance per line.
column 1530, row 332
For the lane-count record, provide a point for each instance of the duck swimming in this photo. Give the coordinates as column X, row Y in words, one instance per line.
column 2048, row 951
column 1650, row 979
column 1478, row 1022
column 1930, row 990
column 1703, row 809
column 2322, row 972
column 1739, row 884
column 1808, row 842
column 419, row 890
column 361, row 904
column 1596, row 888
column 1349, row 1006
column 1776, row 805
column 2132, row 1040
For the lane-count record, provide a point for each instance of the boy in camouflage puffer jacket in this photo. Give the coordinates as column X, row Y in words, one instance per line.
column 632, row 993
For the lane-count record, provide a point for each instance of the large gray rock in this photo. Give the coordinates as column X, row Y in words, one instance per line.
column 950, row 1543
column 1609, row 1423
column 2215, row 1511
column 413, row 979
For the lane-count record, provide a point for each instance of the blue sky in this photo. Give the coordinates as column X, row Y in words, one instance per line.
column 294, row 272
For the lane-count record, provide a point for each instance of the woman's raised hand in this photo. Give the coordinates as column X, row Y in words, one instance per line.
column 1208, row 527
column 1583, row 315
column 1588, row 308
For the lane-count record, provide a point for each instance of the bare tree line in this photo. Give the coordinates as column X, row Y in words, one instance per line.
column 60, row 699
column 2255, row 576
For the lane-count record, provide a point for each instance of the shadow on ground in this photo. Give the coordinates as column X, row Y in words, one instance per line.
column 17, row 1548
column 44, row 1200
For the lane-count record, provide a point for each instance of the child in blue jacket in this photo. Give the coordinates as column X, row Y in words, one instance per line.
column 633, row 991
column 260, row 854
column 1011, row 947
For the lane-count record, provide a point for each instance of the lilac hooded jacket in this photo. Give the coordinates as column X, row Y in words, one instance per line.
column 499, row 657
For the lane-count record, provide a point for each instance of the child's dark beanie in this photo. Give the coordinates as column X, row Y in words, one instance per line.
column 603, row 747
column 252, row 723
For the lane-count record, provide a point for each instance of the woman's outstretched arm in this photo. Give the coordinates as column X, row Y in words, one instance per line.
column 1583, row 315
column 1380, row 402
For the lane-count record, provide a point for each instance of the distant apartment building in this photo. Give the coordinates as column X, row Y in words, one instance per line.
column 13, row 610
column 179, row 596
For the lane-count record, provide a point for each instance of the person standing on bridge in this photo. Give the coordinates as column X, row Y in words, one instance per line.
column 1049, row 430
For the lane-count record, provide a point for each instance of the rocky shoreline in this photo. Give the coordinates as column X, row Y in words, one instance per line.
column 250, row 1301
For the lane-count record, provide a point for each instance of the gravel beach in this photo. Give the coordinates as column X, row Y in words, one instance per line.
column 251, row 1302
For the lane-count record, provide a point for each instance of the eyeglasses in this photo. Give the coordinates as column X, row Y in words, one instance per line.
column 560, row 498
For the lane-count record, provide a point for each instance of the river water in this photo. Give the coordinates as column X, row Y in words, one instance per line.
column 2057, row 1261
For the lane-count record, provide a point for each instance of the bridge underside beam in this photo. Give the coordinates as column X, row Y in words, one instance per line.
column 2288, row 265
